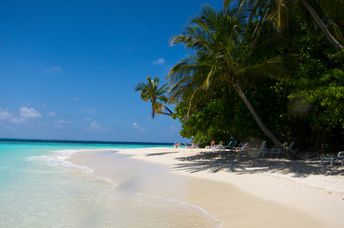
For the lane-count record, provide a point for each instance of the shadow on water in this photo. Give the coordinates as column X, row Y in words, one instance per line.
column 244, row 163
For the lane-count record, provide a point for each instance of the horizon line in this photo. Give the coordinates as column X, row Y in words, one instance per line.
column 80, row 141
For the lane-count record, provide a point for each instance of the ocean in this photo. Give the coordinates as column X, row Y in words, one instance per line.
column 40, row 188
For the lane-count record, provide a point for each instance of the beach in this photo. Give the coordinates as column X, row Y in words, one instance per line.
column 195, row 114
column 41, row 188
column 248, row 197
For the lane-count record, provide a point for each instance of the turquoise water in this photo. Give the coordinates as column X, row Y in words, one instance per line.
column 39, row 188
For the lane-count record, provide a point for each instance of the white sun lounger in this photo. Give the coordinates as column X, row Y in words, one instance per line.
column 331, row 160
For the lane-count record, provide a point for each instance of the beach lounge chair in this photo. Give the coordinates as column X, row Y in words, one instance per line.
column 192, row 146
column 277, row 151
column 332, row 160
column 231, row 144
column 244, row 147
column 290, row 147
column 218, row 147
column 240, row 148
column 263, row 150
column 340, row 157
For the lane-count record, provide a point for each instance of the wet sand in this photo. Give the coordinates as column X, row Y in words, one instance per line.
column 222, row 200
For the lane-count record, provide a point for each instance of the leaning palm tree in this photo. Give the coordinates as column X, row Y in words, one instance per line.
column 219, row 54
column 329, row 14
column 155, row 94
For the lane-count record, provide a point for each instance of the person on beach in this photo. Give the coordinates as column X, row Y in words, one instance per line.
column 212, row 145
column 192, row 146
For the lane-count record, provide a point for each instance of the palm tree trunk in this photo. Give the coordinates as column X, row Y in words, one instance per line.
column 322, row 26
column 153, row 112
column 260, row 123
column 169, row 110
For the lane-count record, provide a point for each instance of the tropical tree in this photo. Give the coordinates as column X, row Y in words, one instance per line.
column 327, row 14
column 220, row 53
column 151, row 91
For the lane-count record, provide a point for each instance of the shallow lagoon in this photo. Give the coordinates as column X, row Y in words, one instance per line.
column 39, row 188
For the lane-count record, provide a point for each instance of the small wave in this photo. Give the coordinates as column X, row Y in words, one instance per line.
column 60, row 157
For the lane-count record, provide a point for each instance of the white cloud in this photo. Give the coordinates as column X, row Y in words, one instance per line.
column 53, row 70
column 160, row 61
column 29, row 112
column 51, row 113
column 137, row 127
column 25, row 113
column 61, row 123
column 94, row 126
column 5, row 115
column 89, row 110
column 8, row 117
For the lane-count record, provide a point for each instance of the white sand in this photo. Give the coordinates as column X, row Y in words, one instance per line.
column 244, row 199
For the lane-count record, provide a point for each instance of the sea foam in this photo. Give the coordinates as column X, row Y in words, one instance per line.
column 60, row 158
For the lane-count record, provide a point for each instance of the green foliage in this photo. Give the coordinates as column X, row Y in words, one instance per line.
column 323, row 96
column 294, row 79
column 290, row 73
column 313, row 97
column 156, row 95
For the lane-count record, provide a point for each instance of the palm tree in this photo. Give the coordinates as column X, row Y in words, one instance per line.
column 320, row 22
column 277, row 12
column 155, row 94
column 218, row 44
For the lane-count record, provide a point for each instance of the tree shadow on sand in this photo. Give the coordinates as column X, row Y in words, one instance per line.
column 245, row 163
column 158, row 154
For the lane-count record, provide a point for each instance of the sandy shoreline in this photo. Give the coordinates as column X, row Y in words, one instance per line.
column 237, row 199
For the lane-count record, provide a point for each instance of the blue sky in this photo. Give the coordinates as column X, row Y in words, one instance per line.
column 68, row 68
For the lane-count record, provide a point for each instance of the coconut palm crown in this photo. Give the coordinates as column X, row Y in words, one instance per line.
column 217, row 40
column 151, row 91
column 327, row 15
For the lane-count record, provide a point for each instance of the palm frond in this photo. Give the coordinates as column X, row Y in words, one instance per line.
column 209, row 77
column 179, row 39
column 192, row 100
column 273, row 68
column 150, row 91
column 140, row 86
column 184, row 68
